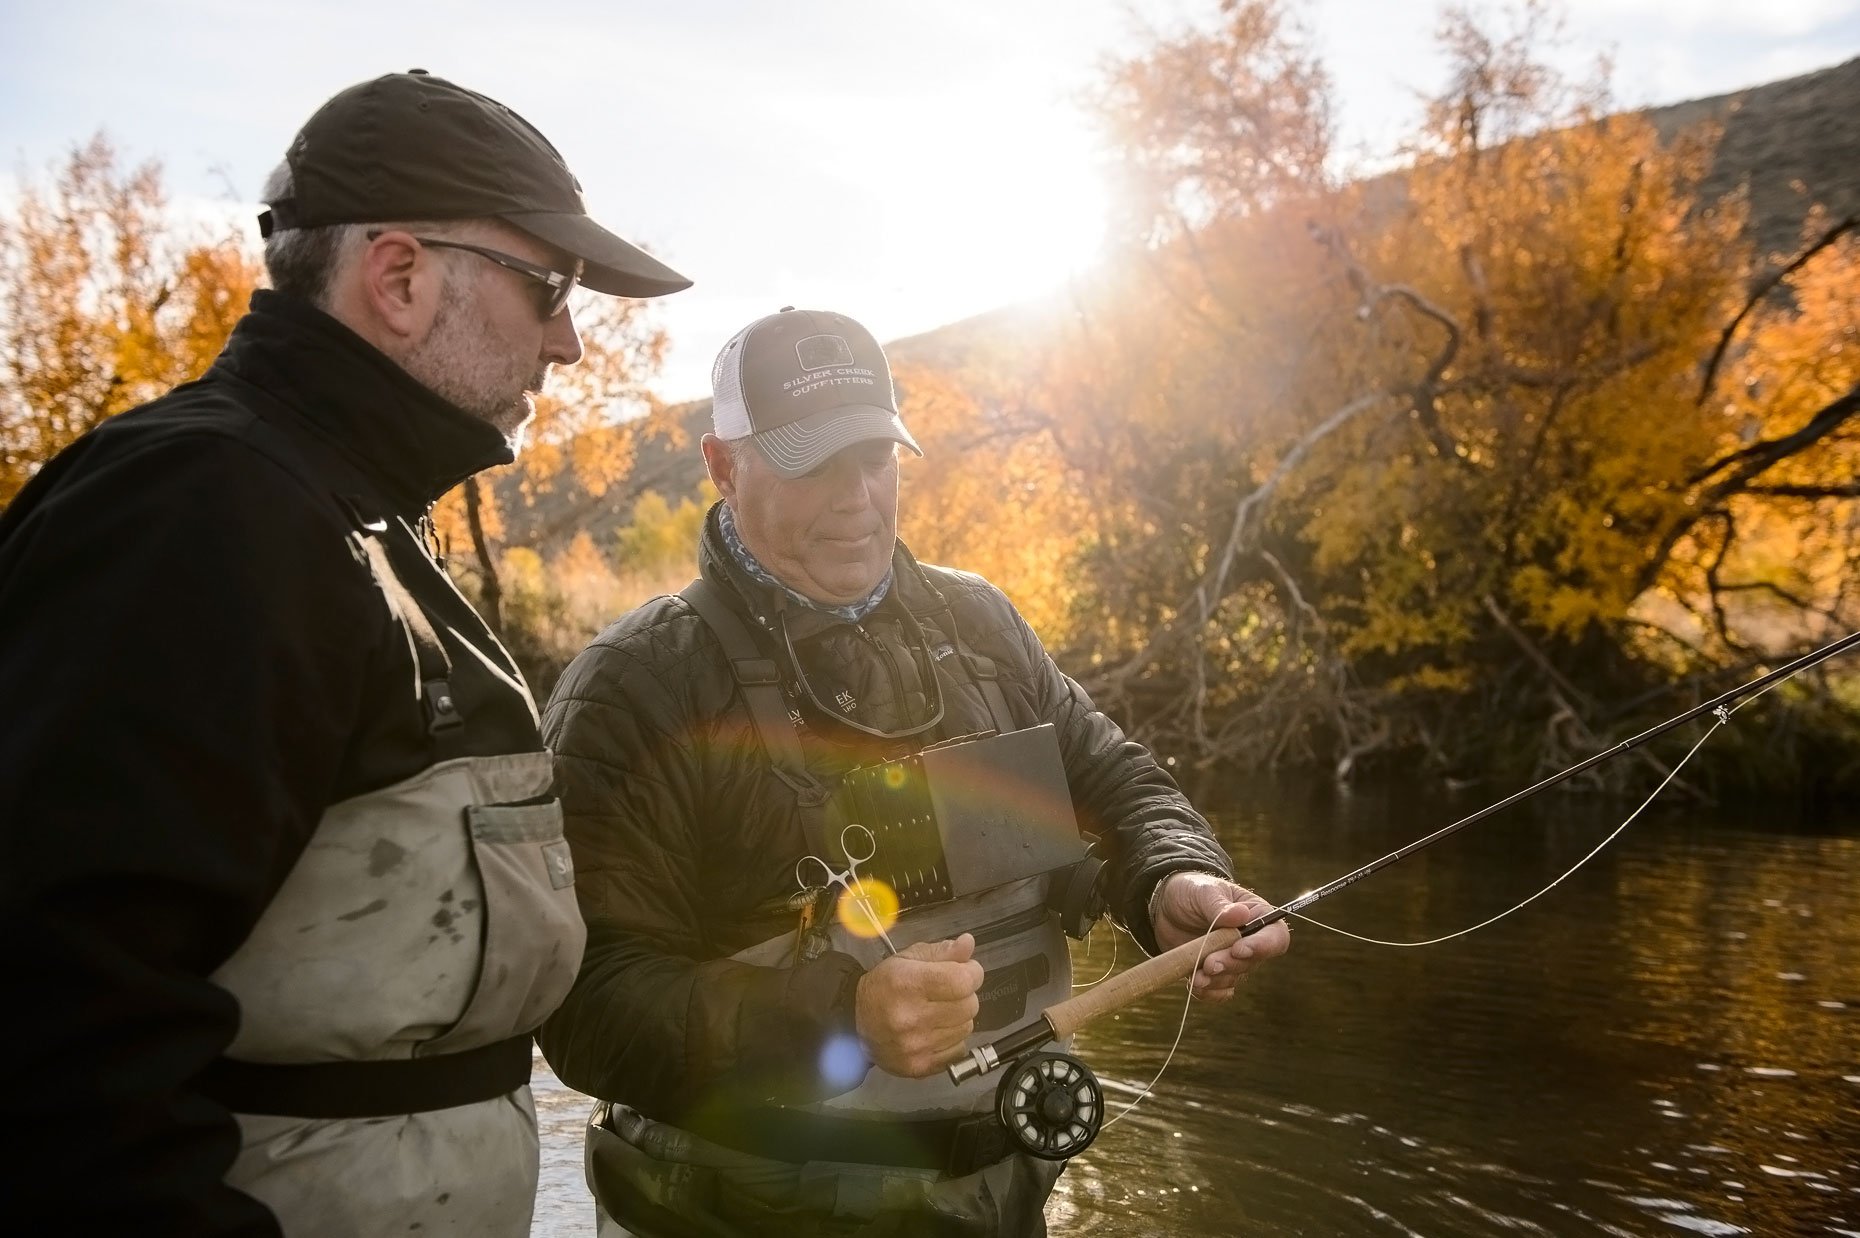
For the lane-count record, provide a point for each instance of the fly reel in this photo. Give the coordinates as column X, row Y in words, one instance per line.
column 1051, row 1105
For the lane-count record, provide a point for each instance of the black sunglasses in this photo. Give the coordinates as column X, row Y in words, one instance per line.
column 556, row 284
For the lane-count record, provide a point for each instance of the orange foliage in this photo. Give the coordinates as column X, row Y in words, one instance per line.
column 991, row 498
column 102, row 305
column 1328, row 449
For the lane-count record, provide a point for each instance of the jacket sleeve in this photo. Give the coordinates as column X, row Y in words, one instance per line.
column 654, row 1021
column 1147, row 827
column 174, row 712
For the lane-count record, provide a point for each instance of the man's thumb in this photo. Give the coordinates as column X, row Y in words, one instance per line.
column 956, row 950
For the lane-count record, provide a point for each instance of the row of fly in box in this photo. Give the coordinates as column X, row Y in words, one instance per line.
column 966, row 816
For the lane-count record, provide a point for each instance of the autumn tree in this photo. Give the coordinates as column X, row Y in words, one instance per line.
column 1410, row 465
column 105, row 303
column 662, row 538
column 990, row 494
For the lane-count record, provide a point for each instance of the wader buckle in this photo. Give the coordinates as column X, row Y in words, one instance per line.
column 442, row 710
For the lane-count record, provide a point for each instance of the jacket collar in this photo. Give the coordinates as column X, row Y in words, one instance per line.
column 406, row 439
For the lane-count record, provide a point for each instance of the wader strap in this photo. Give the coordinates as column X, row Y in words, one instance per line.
column 759, row 678
column 987, row 678
column 370, row 1089
column 982, row 670
column 443, row 720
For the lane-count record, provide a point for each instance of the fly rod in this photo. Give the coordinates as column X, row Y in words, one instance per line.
column 1064, row 1018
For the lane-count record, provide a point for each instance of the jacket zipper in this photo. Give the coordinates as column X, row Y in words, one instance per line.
column 891, row 668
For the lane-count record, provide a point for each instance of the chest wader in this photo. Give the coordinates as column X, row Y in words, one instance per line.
column 975, row 835
column 380, row 1075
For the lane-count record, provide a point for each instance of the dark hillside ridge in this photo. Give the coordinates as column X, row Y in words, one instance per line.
column 1791, row 144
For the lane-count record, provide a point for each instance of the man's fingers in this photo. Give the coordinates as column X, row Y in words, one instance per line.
column 1236, row 914
column 932, row 1017
column 957, row 1046
column 1215, row 989
column 925, row 951
column 949, row 982
column 954, row 950
column 1271, row 942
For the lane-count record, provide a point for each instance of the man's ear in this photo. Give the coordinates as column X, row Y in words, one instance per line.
column 720, row 464
column 401, row 285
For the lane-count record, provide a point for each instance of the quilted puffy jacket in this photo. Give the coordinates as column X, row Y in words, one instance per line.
column 685, row 841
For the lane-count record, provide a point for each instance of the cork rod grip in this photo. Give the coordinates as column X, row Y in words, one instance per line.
column 1136, row 983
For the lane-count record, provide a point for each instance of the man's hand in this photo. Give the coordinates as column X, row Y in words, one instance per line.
column 1186, row 905
column 915, row 1009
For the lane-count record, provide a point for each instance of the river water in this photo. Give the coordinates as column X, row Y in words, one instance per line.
column 1667, row 1043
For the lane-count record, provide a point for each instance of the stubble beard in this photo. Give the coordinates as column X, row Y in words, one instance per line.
column 461, row 361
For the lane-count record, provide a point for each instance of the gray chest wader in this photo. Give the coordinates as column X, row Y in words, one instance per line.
column 973, row 844
column 380, row 1075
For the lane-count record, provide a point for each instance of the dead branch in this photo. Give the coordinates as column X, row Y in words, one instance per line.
column 1750, row 463
column 1759, row 456
column 1762, row 291
column 1572, row 704
column 1849, row 491
column 1535, row 654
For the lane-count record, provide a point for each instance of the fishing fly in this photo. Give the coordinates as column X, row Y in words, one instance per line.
column 1052, row 1104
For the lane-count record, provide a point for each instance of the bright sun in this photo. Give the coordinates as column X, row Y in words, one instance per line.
column 1016, row 206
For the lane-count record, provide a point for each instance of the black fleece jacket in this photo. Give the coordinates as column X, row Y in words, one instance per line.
column 194, row 663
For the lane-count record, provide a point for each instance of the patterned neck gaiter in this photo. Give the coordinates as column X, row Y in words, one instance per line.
column 852, row 612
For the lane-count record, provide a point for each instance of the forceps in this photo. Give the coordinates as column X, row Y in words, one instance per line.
column 849, row 881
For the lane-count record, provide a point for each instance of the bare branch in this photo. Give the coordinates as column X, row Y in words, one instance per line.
column 1763, row 290
column 1536, row 655
column 1209, row 592
column 1759, row 456
column 1750, row 462
column 1849, row 491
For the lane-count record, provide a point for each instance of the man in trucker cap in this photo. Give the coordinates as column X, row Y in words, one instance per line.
column 765, row 1070
column 284, row 877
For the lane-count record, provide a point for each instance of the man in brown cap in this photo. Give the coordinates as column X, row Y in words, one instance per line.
column 285, row 888
column 822, row 711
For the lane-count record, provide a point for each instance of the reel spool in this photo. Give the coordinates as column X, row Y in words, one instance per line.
column 1051, row 1105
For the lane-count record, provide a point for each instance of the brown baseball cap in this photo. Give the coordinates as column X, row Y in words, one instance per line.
column 416, row 147
column 804, row 384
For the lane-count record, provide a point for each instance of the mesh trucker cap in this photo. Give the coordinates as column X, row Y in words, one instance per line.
column 417, row 147
column 804, row 384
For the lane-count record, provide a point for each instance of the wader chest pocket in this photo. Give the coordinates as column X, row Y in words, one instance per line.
column 533, row 933
column 539, row 823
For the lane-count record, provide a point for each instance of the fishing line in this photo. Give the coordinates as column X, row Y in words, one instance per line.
column 1187, row 1004
column 1721, row 716
column 1107, row 971
column 1616, row 833
column 1055, row 1108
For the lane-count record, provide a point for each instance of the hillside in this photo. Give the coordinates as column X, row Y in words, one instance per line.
column 1790, row 144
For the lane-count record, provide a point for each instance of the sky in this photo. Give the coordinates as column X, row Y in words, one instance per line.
column 909, row 164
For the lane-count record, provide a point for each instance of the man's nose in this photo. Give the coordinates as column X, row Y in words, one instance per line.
column 561, row 342
column 853, row 493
